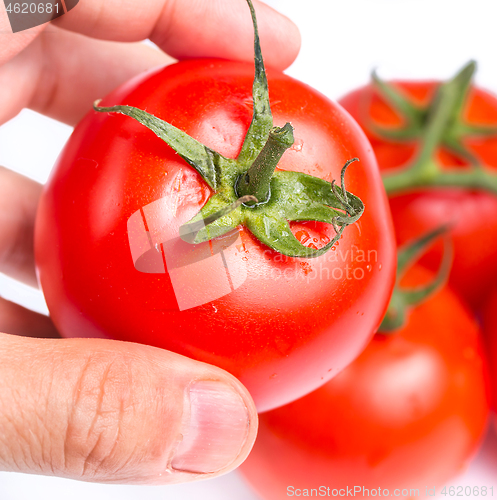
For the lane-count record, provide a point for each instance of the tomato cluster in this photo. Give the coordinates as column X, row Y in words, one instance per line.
column 413, row 407
column 460, row 187
column 226, row 217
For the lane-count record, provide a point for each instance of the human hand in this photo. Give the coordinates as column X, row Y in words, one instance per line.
column 93, row 409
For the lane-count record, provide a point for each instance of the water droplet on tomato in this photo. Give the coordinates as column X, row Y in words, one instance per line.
column 303, row 236
column 306, row 267
column 297, row 145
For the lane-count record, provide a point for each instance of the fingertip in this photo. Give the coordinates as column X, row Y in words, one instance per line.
column 208, row 30
column 217, row 429
column 219, row 423
column 187, row 29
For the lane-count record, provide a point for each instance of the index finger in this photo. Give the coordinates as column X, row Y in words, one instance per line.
column 182, row 28
column 61, row 76
column 189, row 28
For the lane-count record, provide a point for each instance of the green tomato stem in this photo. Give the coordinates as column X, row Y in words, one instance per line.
column 441, row 123
column 257, row 179
column 403, row 300
column 249, row 191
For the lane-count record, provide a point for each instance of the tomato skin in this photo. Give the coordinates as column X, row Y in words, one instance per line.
column 489, row 317
column 471, row 214
column 277, row 330
column 408, row 413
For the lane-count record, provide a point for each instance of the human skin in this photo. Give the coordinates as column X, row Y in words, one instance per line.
column 92, row 409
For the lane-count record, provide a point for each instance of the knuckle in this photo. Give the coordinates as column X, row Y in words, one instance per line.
column 101, row 418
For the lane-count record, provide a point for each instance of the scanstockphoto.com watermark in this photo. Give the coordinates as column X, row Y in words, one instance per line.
column 353, row 491
column 26, row 15
column 221, row 264
column 362, row 491
column 351, row 264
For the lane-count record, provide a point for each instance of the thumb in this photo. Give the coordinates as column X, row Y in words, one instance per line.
column 117, row 412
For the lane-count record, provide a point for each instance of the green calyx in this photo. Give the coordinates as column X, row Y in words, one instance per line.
column 248, row 190
column 439, row 124
column 403, row 300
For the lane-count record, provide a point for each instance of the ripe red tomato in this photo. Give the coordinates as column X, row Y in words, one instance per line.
column 471, row 211
column 282, row 325
column 408, row 413
column 489, row 317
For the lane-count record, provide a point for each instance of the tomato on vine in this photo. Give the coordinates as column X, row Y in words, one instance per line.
column 410, row 411
column 436, row 145
column 180, row 217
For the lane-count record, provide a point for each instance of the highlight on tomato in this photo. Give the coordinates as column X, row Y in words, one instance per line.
column 436, row 145
column 410, row 411
column 223, row 217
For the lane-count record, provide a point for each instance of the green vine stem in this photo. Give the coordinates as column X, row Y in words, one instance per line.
column 250, row 190
column 256, row 181
column 189, row 232
column 403, row 299
column 440, row 123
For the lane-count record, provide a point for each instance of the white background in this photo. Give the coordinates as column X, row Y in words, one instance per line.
column 342, row 41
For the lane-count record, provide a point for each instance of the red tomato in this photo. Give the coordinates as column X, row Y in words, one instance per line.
column 490, row 332
column 472, row 213
column 408, row 413
column 282, row 325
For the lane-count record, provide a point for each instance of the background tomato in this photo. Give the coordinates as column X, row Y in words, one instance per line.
column 408, row 413
column 489, row 317
column 293, row 323
column 472, row 213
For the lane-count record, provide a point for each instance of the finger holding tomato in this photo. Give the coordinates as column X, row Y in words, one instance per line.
column 92, row 409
